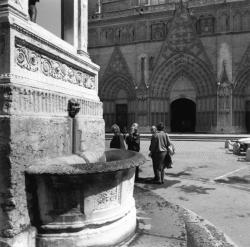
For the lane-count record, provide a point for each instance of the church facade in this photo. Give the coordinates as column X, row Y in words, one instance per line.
column 185, row 63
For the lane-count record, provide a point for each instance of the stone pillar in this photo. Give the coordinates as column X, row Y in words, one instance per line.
column 82, row 26
column 75, row 24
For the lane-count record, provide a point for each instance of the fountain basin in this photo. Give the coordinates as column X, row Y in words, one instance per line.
column 84, row 204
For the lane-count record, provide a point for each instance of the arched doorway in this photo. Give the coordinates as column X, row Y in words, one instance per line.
column 121, row 109
column 183, row 115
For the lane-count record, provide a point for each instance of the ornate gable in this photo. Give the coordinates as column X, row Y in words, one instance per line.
column 182, row 37
column 116, row 76
column 244, row 63
column 117, row 65
column 242, row 72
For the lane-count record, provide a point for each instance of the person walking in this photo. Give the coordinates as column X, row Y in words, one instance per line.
column 152, row 149
column 117, row 140
column 133, row 142
column 160, row 150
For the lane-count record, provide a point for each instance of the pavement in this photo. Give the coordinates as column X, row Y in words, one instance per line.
column 209, row 182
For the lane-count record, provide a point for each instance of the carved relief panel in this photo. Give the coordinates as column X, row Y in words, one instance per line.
column 108, row 198
column 158, row 31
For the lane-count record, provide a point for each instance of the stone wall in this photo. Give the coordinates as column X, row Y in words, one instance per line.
column 224, row 46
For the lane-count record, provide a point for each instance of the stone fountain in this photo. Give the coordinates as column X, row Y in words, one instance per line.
column 58, row 185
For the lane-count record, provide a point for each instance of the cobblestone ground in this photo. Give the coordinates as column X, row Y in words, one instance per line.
column 210, row 181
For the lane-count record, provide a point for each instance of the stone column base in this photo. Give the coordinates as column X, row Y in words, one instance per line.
column 109, row 234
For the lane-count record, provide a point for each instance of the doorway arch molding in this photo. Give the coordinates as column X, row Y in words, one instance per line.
column 242, row 80
column 186, row 64
column 113, row 83
column 186, row 79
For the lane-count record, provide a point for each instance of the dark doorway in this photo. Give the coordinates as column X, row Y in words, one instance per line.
column 183, row 115
column 122, row 115
column 248, row 116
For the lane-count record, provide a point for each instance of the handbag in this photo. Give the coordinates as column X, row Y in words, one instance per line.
column 171, row 149
column 168, row 161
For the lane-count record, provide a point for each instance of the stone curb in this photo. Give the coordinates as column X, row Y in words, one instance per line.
column 199, row 231
column 202, row 233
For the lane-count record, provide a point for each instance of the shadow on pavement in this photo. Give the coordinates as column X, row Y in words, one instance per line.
column 152, row 185
column 195, row 189
column 179, row 174
column 235, row 180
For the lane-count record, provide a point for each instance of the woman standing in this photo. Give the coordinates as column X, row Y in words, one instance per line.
column 133, row 143
column 117, row 139
column 152, row 149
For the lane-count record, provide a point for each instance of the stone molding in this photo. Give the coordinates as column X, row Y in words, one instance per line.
column 35, row 36
column 33, row 61
column 21, row 100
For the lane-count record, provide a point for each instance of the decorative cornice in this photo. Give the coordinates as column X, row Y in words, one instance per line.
column 33, row 61
column 28, row 33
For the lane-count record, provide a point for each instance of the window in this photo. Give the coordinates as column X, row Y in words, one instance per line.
column 237, row 22
column 143, row 60
column 139, row 2
column 246, row 21
column 224, row 23
column 157, row 2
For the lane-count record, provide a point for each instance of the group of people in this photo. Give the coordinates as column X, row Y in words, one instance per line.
column 132, row 139
column 160, row 147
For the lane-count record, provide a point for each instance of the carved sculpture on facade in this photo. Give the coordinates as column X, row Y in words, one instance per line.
column 33, row 10
column 158, row 31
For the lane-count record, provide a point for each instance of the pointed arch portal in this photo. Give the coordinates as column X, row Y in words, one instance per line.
column 183, row 115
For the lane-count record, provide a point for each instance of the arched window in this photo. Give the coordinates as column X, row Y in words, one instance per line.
column 237, row 22
column 139, row 2
column 246, row 21
column 224, row 23
column 142, row 68
column 151, row 63
column 143, row 63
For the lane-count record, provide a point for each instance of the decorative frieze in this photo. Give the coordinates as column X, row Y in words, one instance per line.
column 31, row 101
column 33, row 61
